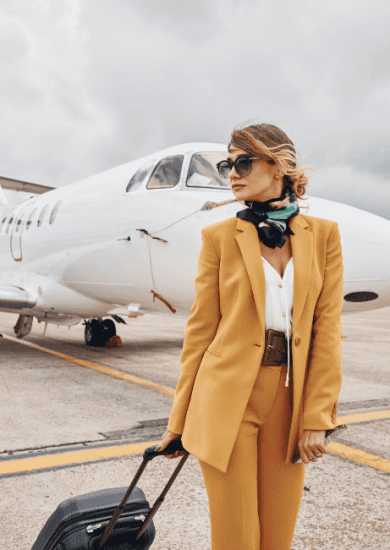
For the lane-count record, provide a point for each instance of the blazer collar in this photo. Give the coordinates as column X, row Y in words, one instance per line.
column 302, row 251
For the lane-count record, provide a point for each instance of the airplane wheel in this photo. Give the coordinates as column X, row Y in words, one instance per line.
column 23, row 325
column 109, row 329
column 93, row 333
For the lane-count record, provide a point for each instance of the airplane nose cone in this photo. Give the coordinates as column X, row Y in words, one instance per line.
column 365, row 239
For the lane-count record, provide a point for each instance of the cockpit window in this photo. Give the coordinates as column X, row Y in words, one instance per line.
column 166, row 173
column 203, row 171
column 140, row 176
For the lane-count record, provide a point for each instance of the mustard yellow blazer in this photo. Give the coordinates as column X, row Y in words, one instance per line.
column 225, row 335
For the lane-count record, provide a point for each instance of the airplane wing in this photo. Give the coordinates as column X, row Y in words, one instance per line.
column 16, row 297
column 26, row 187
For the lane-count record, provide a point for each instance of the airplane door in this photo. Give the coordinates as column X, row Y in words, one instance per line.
column 140, row 269
column 16, row 236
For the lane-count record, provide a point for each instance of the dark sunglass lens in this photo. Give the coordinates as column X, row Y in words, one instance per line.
column 243, row 166
column 224, row 168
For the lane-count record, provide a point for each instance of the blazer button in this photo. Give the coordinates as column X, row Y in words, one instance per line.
column 297, row 341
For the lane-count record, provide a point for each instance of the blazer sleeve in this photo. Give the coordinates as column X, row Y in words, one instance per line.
column 324, row 365
column 200, row 329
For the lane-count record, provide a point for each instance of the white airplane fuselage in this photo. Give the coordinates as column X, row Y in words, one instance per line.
column 93, row 260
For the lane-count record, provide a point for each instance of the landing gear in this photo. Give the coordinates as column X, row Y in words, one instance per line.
column 97, row 332
column 93, row 333
column 109, row 328
column 23, row 325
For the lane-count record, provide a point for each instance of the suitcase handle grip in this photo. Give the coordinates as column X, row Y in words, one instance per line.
column 152, row 452
column 149, row 454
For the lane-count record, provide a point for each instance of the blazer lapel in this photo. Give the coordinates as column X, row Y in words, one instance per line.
column 302, row 251
column 248, row 241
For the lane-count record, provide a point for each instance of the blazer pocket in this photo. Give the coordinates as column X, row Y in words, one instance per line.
column 213, row 352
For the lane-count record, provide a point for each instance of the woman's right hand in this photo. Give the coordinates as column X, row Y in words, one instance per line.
column 167, row 438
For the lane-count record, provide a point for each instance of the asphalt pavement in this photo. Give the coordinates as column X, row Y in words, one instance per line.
column 51, row 407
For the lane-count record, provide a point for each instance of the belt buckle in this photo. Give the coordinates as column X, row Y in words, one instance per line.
column 274, row 355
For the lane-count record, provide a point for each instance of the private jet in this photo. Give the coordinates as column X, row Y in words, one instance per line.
column 125, row 243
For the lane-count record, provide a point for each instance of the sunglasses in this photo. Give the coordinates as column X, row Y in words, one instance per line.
column 242, row 165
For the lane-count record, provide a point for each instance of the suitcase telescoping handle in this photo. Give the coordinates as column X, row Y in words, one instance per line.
column 149, row 454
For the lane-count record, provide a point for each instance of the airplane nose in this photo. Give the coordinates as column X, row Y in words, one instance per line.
column 365, row 239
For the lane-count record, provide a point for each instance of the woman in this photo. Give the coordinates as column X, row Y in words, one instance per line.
column 260, row 369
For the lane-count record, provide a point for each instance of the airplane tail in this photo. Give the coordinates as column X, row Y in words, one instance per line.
column 3, row 198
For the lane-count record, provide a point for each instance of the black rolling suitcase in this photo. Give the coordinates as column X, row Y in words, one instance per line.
column 112, row 519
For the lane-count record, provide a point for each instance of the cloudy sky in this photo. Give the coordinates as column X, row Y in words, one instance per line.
column 89, row 84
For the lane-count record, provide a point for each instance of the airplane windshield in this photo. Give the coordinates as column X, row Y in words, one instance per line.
column 203, row 171
column 167, row 173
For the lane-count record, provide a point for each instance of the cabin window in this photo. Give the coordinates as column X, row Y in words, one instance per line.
column 140, row 176
column 30, row 218
column 42, row 215
column 54, row 212
column 167, row 173
column 18, row 224
column 203, row 171
column 10, row 223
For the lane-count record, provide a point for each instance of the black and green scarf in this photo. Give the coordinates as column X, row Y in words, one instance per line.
column 271, row 217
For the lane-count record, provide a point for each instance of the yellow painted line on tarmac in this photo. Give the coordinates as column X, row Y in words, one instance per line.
column 357, row 455
column 64, row 459
column 363, row 417
column 351, row 419
column 105, row 370
column 26, row 465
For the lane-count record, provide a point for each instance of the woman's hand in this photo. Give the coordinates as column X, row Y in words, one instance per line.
column 166, row 440
column 312, row 443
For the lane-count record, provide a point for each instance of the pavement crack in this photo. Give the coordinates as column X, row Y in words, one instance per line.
column 147, row 430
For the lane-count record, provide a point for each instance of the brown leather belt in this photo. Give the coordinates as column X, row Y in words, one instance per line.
column 275, row 353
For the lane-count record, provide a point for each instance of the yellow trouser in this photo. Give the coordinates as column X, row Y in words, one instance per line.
column 255, row 504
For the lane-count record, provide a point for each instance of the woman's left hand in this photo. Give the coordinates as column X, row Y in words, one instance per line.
column 312, row 443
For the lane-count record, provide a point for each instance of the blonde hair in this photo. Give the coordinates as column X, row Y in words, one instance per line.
column 270, row 143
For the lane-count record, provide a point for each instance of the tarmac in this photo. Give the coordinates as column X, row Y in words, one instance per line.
column 69, row 428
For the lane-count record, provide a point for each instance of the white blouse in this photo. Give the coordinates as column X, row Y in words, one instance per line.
column 279, row 297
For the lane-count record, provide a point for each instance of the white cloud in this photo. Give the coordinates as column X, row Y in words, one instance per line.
column 347, row 185
column 88, row 85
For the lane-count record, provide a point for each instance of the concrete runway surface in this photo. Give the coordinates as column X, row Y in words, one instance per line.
column 67, row 429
